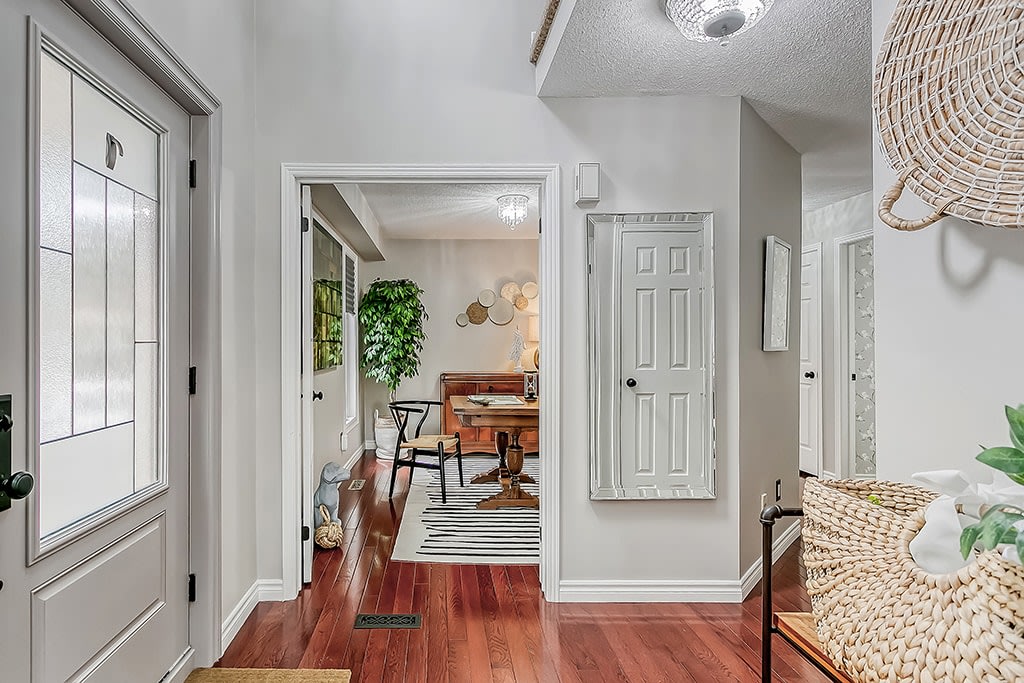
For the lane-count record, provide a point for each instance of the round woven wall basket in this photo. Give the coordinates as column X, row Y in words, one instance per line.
column 949, row 102
column 881, row 617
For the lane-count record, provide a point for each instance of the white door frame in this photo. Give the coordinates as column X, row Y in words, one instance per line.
column 841, row 350
column 293, row 176
column 130, row 34
column 816, row 248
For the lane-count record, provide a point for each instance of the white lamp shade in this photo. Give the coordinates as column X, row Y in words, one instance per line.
column 533, row 328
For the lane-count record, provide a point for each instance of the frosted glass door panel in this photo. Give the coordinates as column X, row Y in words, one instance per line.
column 99, row 289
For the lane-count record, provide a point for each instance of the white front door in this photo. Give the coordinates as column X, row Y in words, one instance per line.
column 663, row 371
column 95, row 561
column 810, row 361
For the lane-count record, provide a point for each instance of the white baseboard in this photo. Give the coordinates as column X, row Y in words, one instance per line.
column 370, row 445
column 779, row 546
column 262, row 590
column 354, row 458
column 598, row 590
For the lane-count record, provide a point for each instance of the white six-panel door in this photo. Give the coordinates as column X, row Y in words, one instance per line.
column 95, row 560
column 810, row 361
column 662, row 373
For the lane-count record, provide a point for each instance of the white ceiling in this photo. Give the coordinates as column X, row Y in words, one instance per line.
column 806, row 69
column 448, row 210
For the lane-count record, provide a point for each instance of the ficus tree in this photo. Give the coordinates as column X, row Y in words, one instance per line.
column 391, row 316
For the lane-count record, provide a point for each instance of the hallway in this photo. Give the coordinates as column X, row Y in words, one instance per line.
column 489, row 623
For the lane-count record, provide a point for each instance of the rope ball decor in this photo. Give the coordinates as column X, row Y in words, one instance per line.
column 949, row 104
column 329, row 534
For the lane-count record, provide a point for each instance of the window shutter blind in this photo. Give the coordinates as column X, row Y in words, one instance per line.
column 350, row 284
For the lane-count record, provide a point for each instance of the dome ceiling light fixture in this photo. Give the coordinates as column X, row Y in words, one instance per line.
column 512, row 209
column 709, row 20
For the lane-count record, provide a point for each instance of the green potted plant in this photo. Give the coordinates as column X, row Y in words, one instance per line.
column 391, row 317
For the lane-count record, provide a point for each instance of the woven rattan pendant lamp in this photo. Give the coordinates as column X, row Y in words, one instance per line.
column 949, row 103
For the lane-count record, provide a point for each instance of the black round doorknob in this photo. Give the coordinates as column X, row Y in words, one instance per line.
column 809, row 374
column 630, row 382
column 6, row 422
column 18, row 485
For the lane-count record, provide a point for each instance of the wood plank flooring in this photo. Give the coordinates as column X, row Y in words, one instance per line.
column 489, row 623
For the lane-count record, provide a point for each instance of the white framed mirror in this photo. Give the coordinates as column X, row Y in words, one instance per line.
column 651, row 354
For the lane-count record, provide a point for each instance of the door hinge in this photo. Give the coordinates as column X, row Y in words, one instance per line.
column 191, row 587
column 305, row 533
column 540, row 226
column 192, row 381
column 193, row 170
column 854, row 377
column 305, row 224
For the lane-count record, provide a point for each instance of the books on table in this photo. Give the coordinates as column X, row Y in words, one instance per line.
column 495, row 400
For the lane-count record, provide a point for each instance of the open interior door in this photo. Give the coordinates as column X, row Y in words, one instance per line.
column 306, row 502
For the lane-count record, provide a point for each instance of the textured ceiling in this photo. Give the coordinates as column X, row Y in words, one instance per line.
column 448, row 210
column 806, row 69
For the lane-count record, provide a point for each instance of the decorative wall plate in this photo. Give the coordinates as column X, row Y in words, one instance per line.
column 501, row 312
column 462, row 320
column 509, row 291
column 476, row 313
column 487, row 298
column 521, row 302
column 949, row 102
column 530, row 290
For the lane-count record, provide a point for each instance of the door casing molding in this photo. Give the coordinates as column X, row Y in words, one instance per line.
column 293, row 176
column 116, row 21
column 841, row 350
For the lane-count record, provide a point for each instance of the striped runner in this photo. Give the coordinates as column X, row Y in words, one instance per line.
column 457, row 532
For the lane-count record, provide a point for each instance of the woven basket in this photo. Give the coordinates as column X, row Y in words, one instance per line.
column 949, row 102
column 881, row 617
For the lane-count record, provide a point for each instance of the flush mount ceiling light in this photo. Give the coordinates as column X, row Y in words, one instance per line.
column 512, row 209
column 709, row 20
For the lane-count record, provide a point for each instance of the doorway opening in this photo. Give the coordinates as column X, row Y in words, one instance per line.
column 299, row 474
column 855, row 355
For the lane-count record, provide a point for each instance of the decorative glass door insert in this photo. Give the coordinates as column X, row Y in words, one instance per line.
column 99, row 291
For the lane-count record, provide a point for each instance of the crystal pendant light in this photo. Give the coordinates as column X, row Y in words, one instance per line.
column 512, row 209
column 710, row 20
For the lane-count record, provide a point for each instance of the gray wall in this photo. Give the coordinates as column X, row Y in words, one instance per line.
column 947, row 331
column 451, row 274
column 769, row 193
column 826, row 225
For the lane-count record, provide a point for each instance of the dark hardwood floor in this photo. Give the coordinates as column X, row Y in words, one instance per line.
column 489, row 623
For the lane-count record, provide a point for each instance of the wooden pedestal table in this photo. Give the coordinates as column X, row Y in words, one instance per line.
column 508, row 422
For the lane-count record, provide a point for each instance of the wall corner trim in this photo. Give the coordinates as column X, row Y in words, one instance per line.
column 262, row 590
column 752, row 576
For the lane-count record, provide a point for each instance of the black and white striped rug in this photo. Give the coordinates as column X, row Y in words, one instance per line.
column 457, row 532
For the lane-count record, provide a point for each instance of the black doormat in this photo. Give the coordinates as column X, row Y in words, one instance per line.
column 388, row 620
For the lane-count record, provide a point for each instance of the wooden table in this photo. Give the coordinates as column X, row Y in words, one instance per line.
column 508, row 422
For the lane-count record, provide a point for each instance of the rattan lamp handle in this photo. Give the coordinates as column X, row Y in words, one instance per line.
column 890, row 198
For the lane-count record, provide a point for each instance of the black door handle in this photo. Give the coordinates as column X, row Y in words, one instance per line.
column 18, row 485
column 809, row 374
column 630, row 382
column 318, row 395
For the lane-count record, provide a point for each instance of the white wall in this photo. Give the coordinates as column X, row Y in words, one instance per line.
column 769, row 193
column 825, row 225
column 947, row 303
column 451, row 274
column 377, row 85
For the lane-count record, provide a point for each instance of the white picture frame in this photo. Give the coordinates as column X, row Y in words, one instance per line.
column 778, row 259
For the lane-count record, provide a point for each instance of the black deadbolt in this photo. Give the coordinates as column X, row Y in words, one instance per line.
column 630, row 382
column 809, row 374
